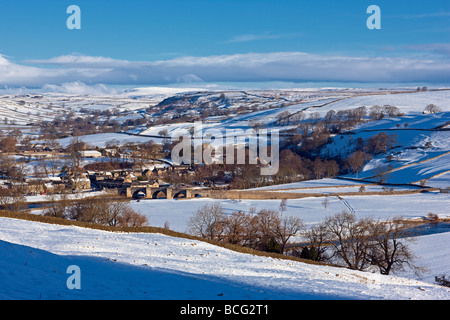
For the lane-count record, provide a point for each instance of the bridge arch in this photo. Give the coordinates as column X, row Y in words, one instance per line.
column 180, row 194
column 137, row 193
column 159, row 194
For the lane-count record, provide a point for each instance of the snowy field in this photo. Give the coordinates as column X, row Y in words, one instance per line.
column 414, row 102
column 328, row 185
column 440, row 181
column 100, row 139
column 309, row 209
column 34, row 258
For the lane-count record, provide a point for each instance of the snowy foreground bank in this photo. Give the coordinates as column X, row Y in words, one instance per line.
column 34, row 258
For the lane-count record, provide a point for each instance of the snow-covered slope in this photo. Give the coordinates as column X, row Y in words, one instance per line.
column 408, row 103
column 34, row 258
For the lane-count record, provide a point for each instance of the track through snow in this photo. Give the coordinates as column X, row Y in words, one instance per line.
column 34, row 258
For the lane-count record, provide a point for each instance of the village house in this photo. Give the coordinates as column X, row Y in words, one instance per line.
column 81, row 182
column 90, row 154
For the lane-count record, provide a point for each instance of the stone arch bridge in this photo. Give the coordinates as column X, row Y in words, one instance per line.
column 155, row 192
column 151, row 192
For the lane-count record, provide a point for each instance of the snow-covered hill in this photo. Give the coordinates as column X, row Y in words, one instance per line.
column 34, row 258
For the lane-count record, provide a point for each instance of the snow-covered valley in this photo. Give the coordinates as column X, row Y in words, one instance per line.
column 34, row 256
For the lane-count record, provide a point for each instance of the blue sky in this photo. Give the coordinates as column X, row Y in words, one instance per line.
column 141, row 42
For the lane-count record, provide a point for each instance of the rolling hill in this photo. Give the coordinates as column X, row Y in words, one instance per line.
column 34, row 258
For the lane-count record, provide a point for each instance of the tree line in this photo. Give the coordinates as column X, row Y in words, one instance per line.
column 101, row 211
column 342, row 239
column 358, row 243
column 266, row 230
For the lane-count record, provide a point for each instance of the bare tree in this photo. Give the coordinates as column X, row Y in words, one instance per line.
column 8, row 144
column 6, row 165
column 350, row 239
column 381, row 142
column 318, row 243
column 266, row 222
column 358, row 243
column 130, row 218
column 238, row 229
column 11, row 199
column 382, row 172
column 283, row 117
column 305, row 127
column 391, row 111
column 283, row 205
column 74, row 150
column 99, row 211
column 325, row 203
column 115, row 211
column 272, row 231
column 319, row 168
column 256, row 125
column 376, row 112
column 332, row 168
column 208, row 222
column 285, row 228
column 432, row 108
column 356, row 161
column 58, row 205
column 389, row 250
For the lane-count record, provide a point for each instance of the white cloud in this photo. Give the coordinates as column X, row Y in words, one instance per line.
column 265, row 36
column 13, row 74
column 437, row 48
column 439, row 14
column 250, row 67
column 79, row 88
column 80, row 60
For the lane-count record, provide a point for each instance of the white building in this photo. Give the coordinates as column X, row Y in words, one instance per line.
column 91, row 154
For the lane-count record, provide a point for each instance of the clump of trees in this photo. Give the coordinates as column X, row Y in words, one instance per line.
column 265, row 230
column 377, row 112
column 296, row 165
column 356, row 160
column 347, row 241
column 442, row 280
column 11, row 199
column 90, row 122
column 292, row 168
column 101, row 211
column 365, row 149
column 341, row 239
column 432, row 108
column 380, row 143
column 8, row 144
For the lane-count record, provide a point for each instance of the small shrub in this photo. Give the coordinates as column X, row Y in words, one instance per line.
column 167, row 225
column 442, row 280
column 432, row 217
column 130, row 218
